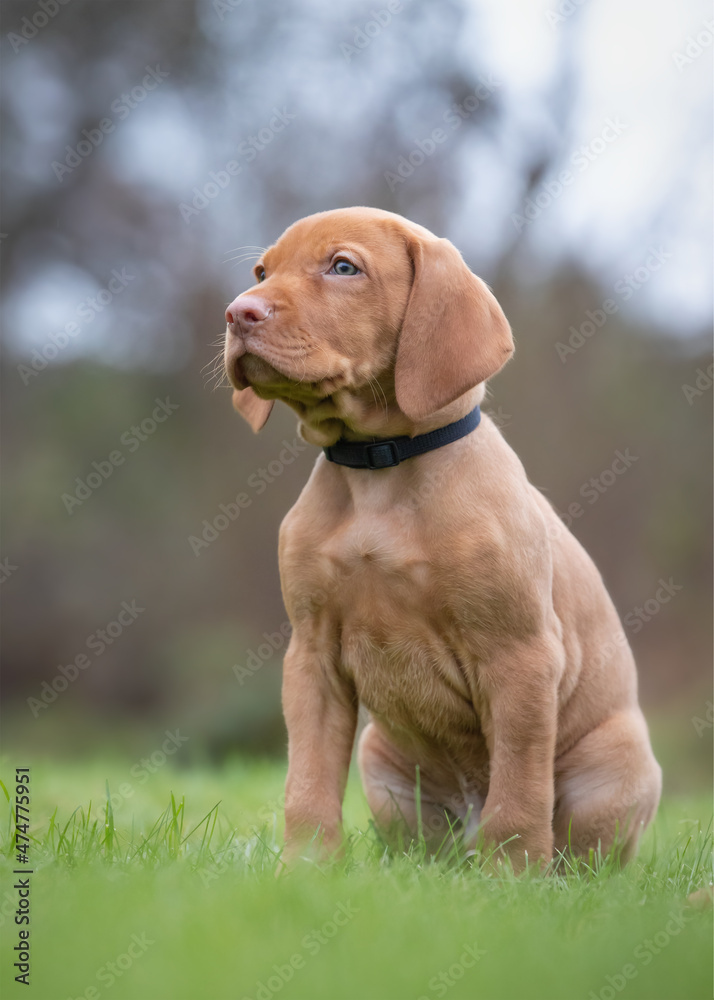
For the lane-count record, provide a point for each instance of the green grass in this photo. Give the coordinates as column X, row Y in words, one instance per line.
column 184, row 864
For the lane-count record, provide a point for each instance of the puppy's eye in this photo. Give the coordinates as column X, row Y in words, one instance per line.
column 261, row 274
column 343, row 266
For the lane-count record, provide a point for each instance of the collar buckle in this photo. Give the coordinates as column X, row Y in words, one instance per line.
column 382, row 455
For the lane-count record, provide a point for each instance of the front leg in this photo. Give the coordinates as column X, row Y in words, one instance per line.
column 520, row 686
column 320, row 709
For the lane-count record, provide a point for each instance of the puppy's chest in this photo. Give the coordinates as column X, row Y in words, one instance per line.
column 410, row 667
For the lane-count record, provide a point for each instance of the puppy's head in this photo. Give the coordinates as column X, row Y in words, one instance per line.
column 362, row 322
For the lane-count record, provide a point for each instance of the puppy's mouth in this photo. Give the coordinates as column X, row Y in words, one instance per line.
column 250, row 370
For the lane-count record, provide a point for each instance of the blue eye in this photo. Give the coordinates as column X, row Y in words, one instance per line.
column 343, row 266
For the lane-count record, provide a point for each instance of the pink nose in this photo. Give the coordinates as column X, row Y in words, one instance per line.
column 247, row 310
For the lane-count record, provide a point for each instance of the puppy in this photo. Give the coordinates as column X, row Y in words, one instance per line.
column 424, row 576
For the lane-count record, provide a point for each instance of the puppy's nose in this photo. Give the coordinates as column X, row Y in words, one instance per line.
column 247, row 310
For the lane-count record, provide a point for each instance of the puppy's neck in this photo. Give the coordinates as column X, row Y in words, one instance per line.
column 355, row 417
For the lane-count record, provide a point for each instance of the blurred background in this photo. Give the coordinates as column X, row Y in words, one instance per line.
column 148, row 148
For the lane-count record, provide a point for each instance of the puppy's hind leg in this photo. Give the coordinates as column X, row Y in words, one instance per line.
column 405, row 805
column 607, row 788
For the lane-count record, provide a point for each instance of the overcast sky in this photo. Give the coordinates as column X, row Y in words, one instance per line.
column 637, row 67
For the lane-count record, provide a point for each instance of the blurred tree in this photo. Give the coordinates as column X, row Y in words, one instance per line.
column 123, row 216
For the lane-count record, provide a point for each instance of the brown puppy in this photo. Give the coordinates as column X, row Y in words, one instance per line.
column 444, row 593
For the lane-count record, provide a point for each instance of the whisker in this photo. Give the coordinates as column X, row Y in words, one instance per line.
column 303, row 356
column 380, row 397
column 219, row 378
column 370, row 383
column 217, row 372
column 243, row 254
column 214, row 361
column 215, row 376
column 241, row 258
column 248, row 246
column 222, row 380
column 383, row 395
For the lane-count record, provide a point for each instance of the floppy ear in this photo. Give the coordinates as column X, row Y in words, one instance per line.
column 255, row 410
column 454, row 334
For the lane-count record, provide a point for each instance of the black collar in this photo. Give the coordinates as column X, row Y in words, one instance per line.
column 385, row 453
